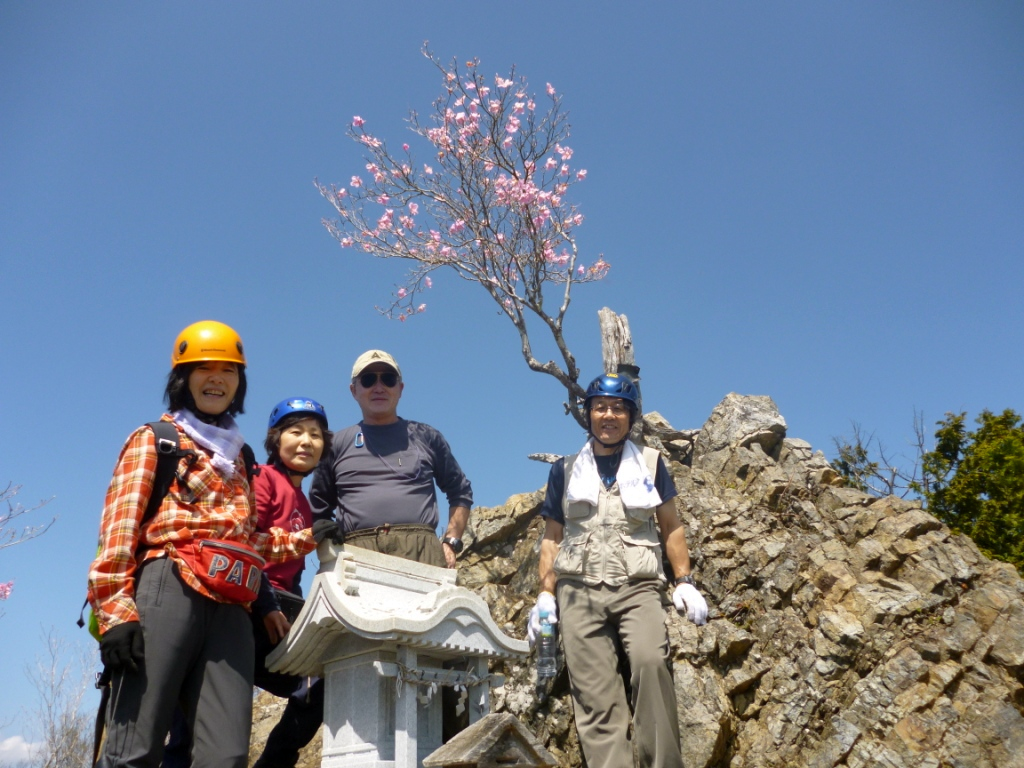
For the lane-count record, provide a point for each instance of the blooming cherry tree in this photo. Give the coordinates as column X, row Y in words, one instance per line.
column 489, row 204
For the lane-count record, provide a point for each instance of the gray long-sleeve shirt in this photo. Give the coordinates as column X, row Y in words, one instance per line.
column 386, row 474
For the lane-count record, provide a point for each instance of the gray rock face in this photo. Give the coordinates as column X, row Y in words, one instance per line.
column 844, row 630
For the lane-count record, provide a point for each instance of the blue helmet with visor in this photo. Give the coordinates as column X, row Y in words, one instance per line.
column 613, row 385
column 292, row 405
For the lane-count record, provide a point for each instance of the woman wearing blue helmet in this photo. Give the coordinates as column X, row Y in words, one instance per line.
column 296, row 435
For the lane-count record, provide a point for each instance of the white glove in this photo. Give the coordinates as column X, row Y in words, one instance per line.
column 687, row 598
column 545, row 602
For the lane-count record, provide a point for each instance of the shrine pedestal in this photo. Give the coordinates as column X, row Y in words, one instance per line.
column 387, row 634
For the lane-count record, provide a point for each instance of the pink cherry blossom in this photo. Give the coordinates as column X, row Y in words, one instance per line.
column 483, row 150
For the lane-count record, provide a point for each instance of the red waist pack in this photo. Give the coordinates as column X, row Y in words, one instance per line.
column 230, row 569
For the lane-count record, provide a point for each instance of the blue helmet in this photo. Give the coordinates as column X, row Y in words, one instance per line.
column 612, row 385
column 297, row 405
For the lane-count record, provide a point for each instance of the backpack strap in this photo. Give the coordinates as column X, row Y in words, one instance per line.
column 168, row 453
column 249, row 457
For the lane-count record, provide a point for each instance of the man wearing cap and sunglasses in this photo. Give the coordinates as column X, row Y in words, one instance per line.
column 379, row 474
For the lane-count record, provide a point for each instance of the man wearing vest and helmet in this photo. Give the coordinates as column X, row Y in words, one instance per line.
column 601, row 579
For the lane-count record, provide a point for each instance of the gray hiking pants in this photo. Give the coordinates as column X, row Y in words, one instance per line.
column 198, row 652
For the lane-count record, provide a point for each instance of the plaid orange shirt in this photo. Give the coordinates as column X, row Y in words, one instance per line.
column 209, row 507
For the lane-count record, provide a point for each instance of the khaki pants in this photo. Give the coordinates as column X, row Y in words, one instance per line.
column 591, row 620
column 413, row 542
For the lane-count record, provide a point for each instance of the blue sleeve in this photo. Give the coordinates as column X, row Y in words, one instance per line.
column 448, row 474
column 323, row 493
column 663, row 482
column 266, row 601
column 552, row 506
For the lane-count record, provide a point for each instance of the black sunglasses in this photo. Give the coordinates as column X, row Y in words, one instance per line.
column 388, row 378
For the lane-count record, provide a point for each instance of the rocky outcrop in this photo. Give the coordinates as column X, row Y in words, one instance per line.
column 845, row 630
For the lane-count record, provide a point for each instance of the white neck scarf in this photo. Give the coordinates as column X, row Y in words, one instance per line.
column 636, row 486
column 223, row 442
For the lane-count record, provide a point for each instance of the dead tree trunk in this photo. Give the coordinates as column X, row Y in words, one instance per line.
column 617, row 354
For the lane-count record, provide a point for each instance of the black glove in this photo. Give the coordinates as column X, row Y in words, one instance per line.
column 121, row 647
column 328, row 529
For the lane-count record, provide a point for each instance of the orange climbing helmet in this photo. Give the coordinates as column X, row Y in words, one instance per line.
column 208, row 340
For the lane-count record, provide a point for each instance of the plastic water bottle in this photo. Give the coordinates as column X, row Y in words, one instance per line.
column 547, row 648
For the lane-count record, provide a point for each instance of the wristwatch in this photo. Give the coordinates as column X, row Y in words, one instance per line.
column 451, row 541
column 685, row 580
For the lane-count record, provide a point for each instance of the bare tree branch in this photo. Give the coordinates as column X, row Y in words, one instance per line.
column 61, row 677
column 10, row 536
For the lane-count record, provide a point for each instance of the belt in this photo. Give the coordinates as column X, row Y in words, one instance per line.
column 387, row 528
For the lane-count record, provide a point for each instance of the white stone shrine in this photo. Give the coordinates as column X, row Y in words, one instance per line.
column 386, row 634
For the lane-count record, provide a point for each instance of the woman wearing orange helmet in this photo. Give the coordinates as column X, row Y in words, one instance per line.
column 169, row 587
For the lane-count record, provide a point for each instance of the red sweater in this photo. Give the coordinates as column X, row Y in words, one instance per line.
column 279, row 504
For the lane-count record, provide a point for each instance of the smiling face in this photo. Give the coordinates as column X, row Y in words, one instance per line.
column 378, row 402
column 301, row 445
column 609, row 421
column 213, row 384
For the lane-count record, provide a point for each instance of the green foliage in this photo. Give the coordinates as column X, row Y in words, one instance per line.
column 974, row 481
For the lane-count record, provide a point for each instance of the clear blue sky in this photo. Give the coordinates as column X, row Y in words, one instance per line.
column 820, row 202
